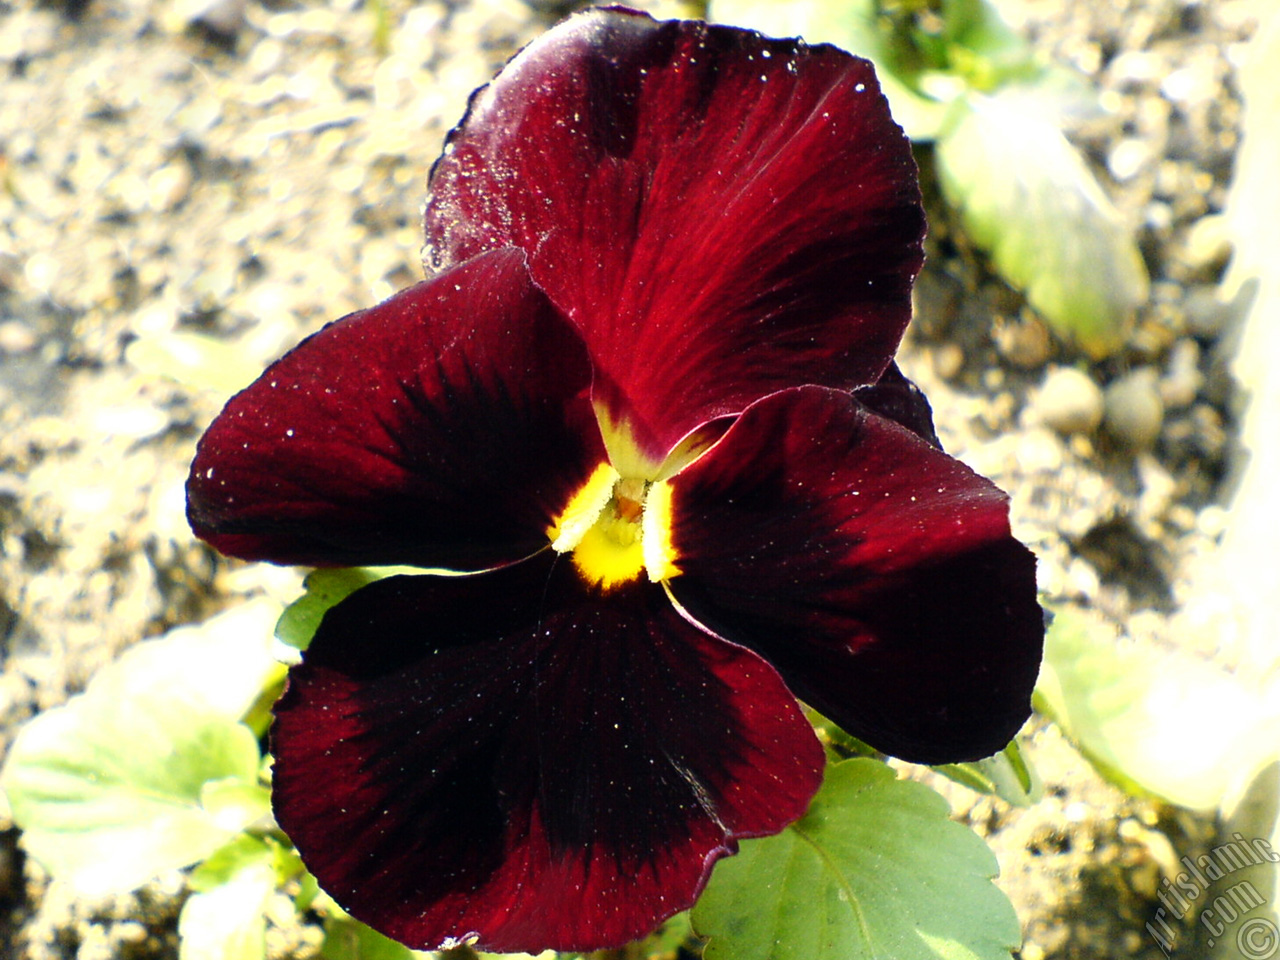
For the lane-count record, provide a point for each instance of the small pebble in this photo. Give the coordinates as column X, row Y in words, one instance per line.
column 948, row 360
column 1128, row 157
column 131, row 932
column 1208, row 245
column 17, row 338
column 1206, row 314
column 223, row 18
column 1133, row 410
column 1213, row 521
column 1136, row 68
column 1024, row 342
column 1069, row 401
column 168, row 187
column 1182, row 379
column 1159, row 216
column 1191, row 84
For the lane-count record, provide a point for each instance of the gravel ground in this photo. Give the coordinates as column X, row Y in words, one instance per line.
column 251, row 170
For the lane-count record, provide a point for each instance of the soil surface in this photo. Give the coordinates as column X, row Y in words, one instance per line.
column 250, row 169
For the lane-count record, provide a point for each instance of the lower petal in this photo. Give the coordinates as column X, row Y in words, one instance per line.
column 514, row 758
column 875, row 572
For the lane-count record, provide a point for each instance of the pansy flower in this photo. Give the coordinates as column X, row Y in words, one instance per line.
column 645, row 411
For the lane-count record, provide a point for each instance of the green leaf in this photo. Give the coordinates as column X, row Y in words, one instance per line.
column 346, row 938
column 1006, row 775
column 235, row 803
column 224, row 920
column 839, row 744
column 851, row 25
column 874, row 869
column 1026, row 197
column 242, row 852
column 1152, row 720
column 982, row 48
column 308, row 890
column 676, row 932
column 115, row 786
column 221, row 665
column 324, row 589
column 108, row 792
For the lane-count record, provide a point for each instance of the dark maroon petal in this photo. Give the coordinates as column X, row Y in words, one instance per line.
column 896, row 397
column 445, row 427
column 875, row 572
column 511, row 757
column 722, row 215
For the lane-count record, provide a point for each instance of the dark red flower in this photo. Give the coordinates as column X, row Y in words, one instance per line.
column 648, row 403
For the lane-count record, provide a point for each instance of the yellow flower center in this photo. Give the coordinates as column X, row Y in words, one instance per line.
column 615, row 527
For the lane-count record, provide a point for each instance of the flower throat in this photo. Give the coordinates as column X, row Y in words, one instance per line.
column 615, row 527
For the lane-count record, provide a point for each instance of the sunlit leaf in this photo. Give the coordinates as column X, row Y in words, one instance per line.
column 874, row 869
column 983, row 48
column 1006, row 775
column 666, row 941
column 346, row 938
column 224, row 919
column 222, row 664
column 850, row 25
column 308, row 891
column 1248, row 576
column 234, row 802
column 1025, row 195
column 324, row 588
column 241, row 852
column 1151, row 720
column 108, row 791
column 149, row 769
column 839, row 744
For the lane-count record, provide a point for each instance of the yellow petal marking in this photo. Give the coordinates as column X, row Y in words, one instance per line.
column 655, row 535
column 610, row 553
column 624, row 452
column 614, row 528
column 583, row 510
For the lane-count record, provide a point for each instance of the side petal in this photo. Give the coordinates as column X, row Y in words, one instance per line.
column 444, row 427
column 721, row 214
column 877, row 574
column 511, row 758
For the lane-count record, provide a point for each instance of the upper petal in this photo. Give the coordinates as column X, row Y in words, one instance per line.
column 875, row 572
column 721, row 214
column 444, row 427
column 510, row 756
